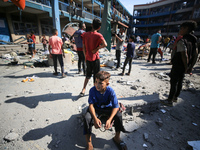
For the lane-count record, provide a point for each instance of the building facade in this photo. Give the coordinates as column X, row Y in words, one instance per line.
column 166, row 15
column 37, row 16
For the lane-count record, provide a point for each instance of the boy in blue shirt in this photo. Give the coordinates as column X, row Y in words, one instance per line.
column 129, row 55
column 30, row 44
column 103, row 100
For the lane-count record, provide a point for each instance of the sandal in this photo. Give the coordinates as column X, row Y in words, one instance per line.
column 121, row 145
column 81, row 94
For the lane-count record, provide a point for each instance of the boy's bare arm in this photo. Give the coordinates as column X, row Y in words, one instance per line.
column 102, row 45
column 118, row 38
column 49, row 49
column 97, row 122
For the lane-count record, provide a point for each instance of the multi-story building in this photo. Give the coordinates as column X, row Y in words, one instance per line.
column 166, row 15
column 37, row 16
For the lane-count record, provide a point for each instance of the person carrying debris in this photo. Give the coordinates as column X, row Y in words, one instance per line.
column 119, row 46
column 155, row 40
column 184, row 58
column 103, row 101
column 129, row 55
column 56, row 51
column 79, row 44
column 92, row 42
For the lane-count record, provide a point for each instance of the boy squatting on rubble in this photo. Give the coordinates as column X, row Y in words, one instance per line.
column 103, row 100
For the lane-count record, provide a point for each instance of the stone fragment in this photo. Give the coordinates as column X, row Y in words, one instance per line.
column 11, row 137
column 146, row 136
column 145, row 145
column 159, row 122
column 134, row 87
column 32, row 119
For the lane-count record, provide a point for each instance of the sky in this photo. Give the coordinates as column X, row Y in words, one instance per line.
column 129, row 4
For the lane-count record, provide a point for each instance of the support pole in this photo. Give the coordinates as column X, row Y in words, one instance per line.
column 56, row 17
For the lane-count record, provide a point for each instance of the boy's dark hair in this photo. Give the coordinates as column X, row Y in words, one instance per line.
column 96, row 23
column 54, row 31
column 192, row 25
column 80, row 25
column 103, row 75
column 132, row 37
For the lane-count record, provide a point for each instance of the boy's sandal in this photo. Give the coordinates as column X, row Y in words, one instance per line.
column 121, row 145
column 24, row 80
column 128, row 74
column 81, row 94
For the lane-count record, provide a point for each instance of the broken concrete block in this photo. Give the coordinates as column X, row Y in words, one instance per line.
column 146, row 136
column 134, row 87
column 11, row 137
column 194, row 144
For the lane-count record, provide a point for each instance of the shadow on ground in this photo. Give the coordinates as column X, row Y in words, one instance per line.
column 33, row 101
column 67, row 134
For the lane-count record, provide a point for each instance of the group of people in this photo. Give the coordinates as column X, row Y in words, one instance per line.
column 183, row 58
column 102, row 98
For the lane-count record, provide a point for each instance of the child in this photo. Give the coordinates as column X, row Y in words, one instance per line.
column 44, row 42
column 56, row 51
column 30, row 44
column 92, row 42
column 183, row 60
column 130, row 54
column 34, row 39
column 103, row 100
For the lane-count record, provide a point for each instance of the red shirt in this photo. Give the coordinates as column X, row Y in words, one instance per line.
column 33, row 38
column 56, row 44
column 92, row 40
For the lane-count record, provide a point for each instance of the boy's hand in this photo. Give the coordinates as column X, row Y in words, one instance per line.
column 97, row 123
column 108, row 123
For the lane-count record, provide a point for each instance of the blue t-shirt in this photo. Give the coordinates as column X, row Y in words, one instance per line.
column 108, row 99
column 78, row 38
column 154, row 39
column 30, row 40
column 130, row 49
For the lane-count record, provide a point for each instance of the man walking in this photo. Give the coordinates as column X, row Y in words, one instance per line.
column 155, row 40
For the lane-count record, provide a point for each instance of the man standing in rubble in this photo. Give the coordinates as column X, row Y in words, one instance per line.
column 155, row 40
column 119, row 46
column 183, row 60
column 79, row 44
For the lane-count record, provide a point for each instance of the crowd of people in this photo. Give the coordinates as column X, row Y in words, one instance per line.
column 102, row 98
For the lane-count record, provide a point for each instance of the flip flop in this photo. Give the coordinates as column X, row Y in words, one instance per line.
column 81, row 94
column 121, row 145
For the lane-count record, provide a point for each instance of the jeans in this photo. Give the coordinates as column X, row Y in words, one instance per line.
column 154, row 52
column 81, row 59
column 118, row 57
column 60, row 59
column 89, row 122
column 177, row 75
column 128, row 60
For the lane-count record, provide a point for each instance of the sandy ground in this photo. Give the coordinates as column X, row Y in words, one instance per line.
column 46, row 113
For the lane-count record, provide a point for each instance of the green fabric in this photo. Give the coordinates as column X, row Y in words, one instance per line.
column 106, row 23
